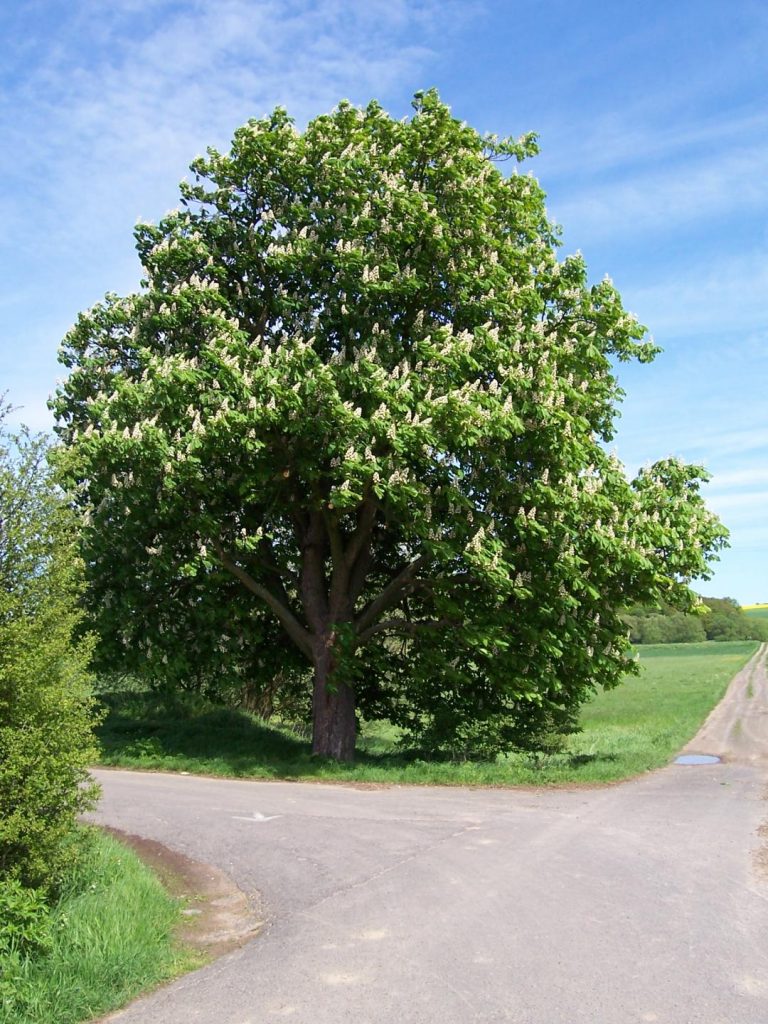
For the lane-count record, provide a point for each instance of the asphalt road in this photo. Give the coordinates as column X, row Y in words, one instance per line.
column 643, row 902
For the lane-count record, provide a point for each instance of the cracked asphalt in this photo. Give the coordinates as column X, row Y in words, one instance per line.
column 641, row 902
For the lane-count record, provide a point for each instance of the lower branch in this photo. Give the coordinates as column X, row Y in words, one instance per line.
column 389, row 596
column 404, row 626
column 288, row 620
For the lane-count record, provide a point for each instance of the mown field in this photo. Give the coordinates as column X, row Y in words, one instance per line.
column 636, row 727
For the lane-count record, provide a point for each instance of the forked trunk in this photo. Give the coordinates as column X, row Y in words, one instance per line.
column 333, row 711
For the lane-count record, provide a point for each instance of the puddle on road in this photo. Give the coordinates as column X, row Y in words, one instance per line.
column 697, row 759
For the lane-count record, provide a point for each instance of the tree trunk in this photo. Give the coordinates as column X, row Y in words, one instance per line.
column 333, row 710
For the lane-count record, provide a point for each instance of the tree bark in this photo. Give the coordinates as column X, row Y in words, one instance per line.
column 333, row 708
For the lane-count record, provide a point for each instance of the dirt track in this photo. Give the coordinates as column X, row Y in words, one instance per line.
column 737, row 729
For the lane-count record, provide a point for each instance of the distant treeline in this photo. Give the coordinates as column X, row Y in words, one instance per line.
column 721, row 618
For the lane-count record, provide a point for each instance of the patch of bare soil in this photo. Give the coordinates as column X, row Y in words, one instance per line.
column 218, row 916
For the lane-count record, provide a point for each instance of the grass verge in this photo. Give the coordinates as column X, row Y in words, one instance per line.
column 112, row 938
column 636, row 727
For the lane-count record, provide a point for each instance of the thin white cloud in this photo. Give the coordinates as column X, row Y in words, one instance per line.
column 683, row 191
column 739, row 478
column 720, row 443
column 636, row 140
column 110, row 103
column 696, row 437
column 699, row 297
column 744, row 501
column 753, row 538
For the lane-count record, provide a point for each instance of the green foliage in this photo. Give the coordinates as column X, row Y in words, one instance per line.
column 727, row 621
column 715, row 619
column 355, row 422
column 108, row 937
column 24, row 920
column 46, row 715
column 664, row 625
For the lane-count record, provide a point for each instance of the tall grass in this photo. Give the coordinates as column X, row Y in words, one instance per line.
column 638, row 726
column 112, row 937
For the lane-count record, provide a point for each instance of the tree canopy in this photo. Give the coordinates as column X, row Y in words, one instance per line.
column 355, row 421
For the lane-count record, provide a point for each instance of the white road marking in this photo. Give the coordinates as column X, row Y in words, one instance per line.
column 256, row 816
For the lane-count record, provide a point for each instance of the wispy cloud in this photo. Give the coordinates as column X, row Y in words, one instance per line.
column 724, row 443
column 125, row 95
column 639, row 140
column 734, row 459
column 738, row 478
column 754, row 540
column 138, row 93
column 107, row 107
column 683, row 191
column 702, row 297
column 740, row 501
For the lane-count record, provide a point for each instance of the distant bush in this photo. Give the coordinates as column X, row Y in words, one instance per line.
column 728, row 621
column 721, row 618
column 46, row 714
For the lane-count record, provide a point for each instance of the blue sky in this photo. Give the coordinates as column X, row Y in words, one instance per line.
column 654, row 131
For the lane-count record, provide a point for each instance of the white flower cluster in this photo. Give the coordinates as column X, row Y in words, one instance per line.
column 476, row 543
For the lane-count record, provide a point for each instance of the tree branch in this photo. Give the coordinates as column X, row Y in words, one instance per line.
column 350, row 563
column 389, row 595
column 358, row 574
column 334, row 537
column 288, row 620
column 403, row 626
column 266, row 556
column 365, row 524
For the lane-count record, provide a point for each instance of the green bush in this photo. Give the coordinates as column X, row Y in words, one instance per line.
column 719, row 618
column 25, row 926
column 25, row 932
column 46, row 713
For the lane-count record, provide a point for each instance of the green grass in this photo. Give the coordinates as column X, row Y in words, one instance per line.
column 638, row 726
column 644, row 722
column 757, row 611
column 112, row 939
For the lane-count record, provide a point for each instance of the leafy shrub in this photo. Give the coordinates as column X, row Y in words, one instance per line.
column 25, row 931
column 46, row 713
column 108, row 935
column 24, row 920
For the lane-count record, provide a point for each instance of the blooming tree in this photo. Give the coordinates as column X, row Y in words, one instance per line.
column 356, row 416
